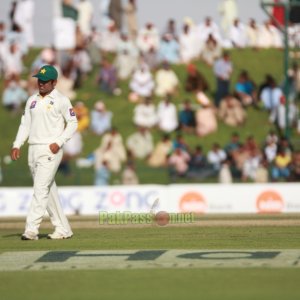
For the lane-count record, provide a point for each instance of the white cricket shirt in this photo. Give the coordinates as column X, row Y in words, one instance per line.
column 47, row 120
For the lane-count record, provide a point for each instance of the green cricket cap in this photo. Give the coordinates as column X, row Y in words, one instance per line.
column 46, row 73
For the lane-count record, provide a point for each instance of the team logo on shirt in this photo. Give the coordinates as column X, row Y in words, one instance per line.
column 33, row 104
column 72, row 112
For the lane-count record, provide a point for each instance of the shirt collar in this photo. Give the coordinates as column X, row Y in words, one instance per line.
column 51, row 95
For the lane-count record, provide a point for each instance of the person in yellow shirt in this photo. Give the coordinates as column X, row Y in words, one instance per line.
column 281, row 168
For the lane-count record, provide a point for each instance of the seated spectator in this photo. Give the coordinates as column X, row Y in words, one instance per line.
column 129, row 176
column 158, row 157
column 233, row 145
column 83, row 117
column 231, row 111
column 150, row 58
column 239, row 156
column 178, row 163
column 145, row 114
column 127, row 58
column 14, row 96
column 71, row 150
column 285, row 144
column 270, row 151
column 13, row 64
column 251, row 165
column 140, row 143
column 166, row 81
column 269, row 36
column 216, row 156
column 107, row 78
column 272, row 137
column 245, row 89
column 262, row 173
column 142, row 83
column 66, row 83
column 211, row 51
column 109, row 38
column 271, row 94
column 295, row 167
column 112, row 151
column 148, row 38
column 251, row 144
column 100, row 118
column 206, row 121
column 195, row 81
column 199, row 168
column 167, row 115
column 281, row 167
column 179, row 142
column 187, row 120
column 102, row 174
column 206, row 28
column 169, row 50
column 294, row 81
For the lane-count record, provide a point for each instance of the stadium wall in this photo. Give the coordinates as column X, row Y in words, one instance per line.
column 198, row 198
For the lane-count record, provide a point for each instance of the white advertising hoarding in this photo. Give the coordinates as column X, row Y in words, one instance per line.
column 199, row 198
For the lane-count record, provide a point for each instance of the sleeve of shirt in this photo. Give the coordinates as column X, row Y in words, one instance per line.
column 24, row 127
column 71, row 121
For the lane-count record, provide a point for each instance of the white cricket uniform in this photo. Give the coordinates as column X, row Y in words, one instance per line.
column 43, row 123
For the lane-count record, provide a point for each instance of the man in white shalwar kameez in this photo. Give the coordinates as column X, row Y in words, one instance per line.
column 229, row 12
column 24, row 18
column 85, row 14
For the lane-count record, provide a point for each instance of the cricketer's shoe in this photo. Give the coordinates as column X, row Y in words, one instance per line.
column 58, row 236
column 29, row 236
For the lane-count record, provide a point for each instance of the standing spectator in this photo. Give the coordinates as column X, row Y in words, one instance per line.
column 12, row 13
column 24, row 18
column 131, row 18
column 228, row 11
column 167, row 115
column 140, row 143
column 171, row 29
column 109, row 38
column 85, row 14
column 115, row 12
column 166, row 81
column 222, row 70
column 69, row 11
column 13, row 64
column 100, row 118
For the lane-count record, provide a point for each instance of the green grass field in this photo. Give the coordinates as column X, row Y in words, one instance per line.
column 86, row 267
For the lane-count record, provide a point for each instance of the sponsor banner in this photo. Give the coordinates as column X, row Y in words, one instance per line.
column 147, row 259
column 197, row 198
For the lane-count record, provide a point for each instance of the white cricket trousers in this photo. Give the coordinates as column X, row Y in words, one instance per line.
column 43, row 165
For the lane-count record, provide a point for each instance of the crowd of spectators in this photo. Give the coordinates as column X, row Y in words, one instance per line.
column 144, row 58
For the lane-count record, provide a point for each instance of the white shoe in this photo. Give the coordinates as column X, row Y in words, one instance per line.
column 29, row 236
column 58, row 236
